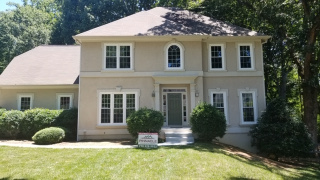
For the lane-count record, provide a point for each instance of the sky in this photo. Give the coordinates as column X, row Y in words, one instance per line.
column 3, row 3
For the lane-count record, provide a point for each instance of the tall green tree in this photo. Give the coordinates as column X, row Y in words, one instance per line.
column 294, row 48
column 25, row 27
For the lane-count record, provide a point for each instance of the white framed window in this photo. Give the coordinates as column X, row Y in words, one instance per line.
column 115, row 107
column 219, row 99
column 25, row 101
column 245, row 57
column 174, row 56
column 217, row 57
column 248, row 106
column 118, row 56
column 64, row 100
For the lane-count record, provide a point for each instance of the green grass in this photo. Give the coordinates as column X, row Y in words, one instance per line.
column 199, row 161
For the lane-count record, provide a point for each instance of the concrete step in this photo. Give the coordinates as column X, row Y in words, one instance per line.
column 177, row 136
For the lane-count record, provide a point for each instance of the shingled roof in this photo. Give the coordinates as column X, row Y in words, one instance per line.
column 44, row 65
column 161, row 21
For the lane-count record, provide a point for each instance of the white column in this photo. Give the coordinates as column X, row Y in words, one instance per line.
column 193, row 96
column 157, row 97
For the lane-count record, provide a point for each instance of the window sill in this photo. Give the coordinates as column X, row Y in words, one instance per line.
column 170, row 70
column 117, row 70
column 217, row 70
column 111, row 126
column 243, row 70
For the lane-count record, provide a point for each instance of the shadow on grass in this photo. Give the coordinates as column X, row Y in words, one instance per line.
column 10, row 178
column 307, row 172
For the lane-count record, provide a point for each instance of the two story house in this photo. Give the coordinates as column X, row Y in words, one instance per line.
column 167, row 59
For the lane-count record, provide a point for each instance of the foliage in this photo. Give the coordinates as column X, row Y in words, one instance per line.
column 23, row 125
column 280, row 133
column 10, row 123
column 69, row 120
column 35, row 120
column 25, row 27
column 49, row 135
column 144, row 120
column 207, row 122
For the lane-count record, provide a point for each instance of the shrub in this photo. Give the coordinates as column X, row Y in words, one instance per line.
column 318, row 125
column 69, row 120
column 207, row 122
column 35, row 120
column 2, row 110
column 144, row 120
column 10, row 123
column 49, row 135
column 279, row 133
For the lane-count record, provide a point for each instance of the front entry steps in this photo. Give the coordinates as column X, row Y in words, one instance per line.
column 177, row 136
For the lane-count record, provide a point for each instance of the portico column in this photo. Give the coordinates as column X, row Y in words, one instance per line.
column 157, row 97
column 193, row 96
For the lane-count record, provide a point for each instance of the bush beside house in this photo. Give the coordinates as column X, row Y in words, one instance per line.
column 280, row 133
column 207, row 122
column 144, row 120
column 23, row 125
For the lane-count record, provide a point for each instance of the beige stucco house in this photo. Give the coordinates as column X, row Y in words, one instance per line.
column 164, row 58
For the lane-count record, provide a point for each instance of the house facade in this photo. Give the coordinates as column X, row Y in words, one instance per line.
column 169, row 60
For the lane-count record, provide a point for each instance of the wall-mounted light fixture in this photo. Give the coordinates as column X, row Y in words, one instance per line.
column 153, row 94
column 197, row 94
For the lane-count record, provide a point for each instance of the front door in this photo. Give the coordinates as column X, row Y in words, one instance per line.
column 174, row 109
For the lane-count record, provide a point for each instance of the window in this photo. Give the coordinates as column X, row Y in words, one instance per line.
column 246, row 60
column 218, row 98
column 115, row 107
column 64, row 100
column 174, row 57
column 118, row 56
column 25, row 101
column 248, row 107
column 216, row 57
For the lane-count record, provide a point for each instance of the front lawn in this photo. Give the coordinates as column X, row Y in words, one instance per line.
column 199, row 161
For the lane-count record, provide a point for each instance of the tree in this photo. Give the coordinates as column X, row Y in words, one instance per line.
column 293, row 49
column 25, row 27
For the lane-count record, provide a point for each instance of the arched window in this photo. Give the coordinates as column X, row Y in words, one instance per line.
column 174, row 59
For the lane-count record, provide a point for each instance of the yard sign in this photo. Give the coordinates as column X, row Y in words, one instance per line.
column 148, row 140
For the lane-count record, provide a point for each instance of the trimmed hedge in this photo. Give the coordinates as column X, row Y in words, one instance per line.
column 10, row 124
column 280, row 133
column 144, row 120
column 49, row 135
column 208, row 122
column 23, row 125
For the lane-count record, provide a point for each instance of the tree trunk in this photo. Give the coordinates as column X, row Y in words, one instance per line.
column 310, row 103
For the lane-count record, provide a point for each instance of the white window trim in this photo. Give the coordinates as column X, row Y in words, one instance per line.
column 223, row 57
column 21, row 95
column 252, row 57
column 112, row 92
column 59, row 95
column 118, row 56
column 181, row 68
column 225, row 100
column 255, row 107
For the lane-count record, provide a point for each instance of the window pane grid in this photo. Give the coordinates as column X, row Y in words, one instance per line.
column 174, row 56
column 64, row 102
column 218, row 102
column 216, row 57
column 245, row 57
column 248, row 108
column 105, row 108
column 25, row 103
column 118, row 57
column 118, row 108
column 131, row 104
